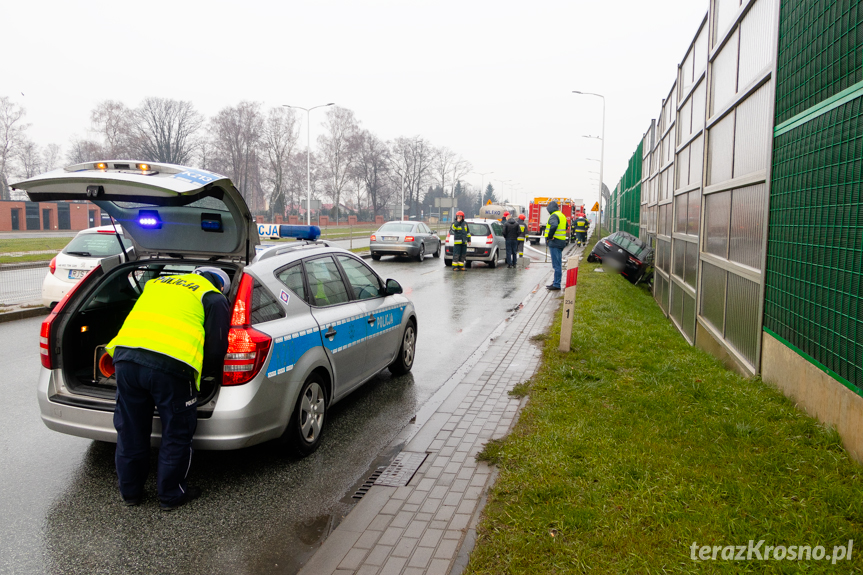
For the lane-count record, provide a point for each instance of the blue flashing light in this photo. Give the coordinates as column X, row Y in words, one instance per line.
column 300, row 232
column 149, row 219
column 211, row 226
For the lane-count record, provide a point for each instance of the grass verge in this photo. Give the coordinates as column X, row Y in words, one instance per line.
column 635, row 445
column 32, row 244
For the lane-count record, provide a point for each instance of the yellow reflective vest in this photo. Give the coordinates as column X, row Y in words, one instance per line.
column 560, row 233
column 168, row 318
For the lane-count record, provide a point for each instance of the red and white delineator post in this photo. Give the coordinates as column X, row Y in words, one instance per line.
column 568, row 302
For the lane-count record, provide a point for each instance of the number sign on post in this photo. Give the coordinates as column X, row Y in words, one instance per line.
column 568, row 303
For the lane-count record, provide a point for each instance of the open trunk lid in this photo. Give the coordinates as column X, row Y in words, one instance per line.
column 166, row 210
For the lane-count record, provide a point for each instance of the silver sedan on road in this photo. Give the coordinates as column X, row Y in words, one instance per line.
column 412, row 239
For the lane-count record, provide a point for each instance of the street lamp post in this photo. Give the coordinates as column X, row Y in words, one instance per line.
column 308, row 159
column 601, row 157
column 482, row 185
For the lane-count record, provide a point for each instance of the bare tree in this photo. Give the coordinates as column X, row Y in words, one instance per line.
column 164, row 130
column 81, row 151
column 29, row 158
column 236, row 138
column 280, row 135
column 336, row 150
column 411, row 163
column 51, row 157
column 372, row 167
column 11, row 137
column 113, row 121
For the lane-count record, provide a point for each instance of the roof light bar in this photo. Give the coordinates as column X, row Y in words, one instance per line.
column 310, row 233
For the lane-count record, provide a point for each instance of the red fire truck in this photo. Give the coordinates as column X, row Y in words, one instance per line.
column 538, row 216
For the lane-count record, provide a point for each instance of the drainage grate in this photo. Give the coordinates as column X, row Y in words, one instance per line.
column 402, row 469
column 367, row 484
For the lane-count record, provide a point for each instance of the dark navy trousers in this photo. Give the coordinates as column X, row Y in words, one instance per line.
column 511, row 252
column 139, row 390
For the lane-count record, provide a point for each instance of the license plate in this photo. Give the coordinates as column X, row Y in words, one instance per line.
column 390, row 238
column 471, row 250
column 77, row 274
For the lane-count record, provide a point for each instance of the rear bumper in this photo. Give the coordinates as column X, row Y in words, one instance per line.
column 478, row 255
column 242, row 417
column 394, row 249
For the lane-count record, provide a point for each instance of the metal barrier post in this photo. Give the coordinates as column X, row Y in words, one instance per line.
column 569, row 302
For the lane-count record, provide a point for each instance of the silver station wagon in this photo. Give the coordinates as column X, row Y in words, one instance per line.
column 310, row 323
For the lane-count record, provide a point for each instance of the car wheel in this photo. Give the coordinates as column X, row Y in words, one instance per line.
column 534, row 242
column 468, row 263
column 307, row 422
column 376, row 257
column 404, row 361
column 437, row 253
column 421, row 256
column 493, row 262
column 447, row 262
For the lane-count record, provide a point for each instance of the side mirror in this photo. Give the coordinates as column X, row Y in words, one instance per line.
column 393, row 287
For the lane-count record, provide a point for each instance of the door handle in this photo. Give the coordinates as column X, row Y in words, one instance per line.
column 330, row 333
column 371, row 319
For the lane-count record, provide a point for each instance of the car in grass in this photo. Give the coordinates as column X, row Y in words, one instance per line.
column 310, row 323
column 486, row 244
column 404, row 238
column 80, row 255
column 624, row 253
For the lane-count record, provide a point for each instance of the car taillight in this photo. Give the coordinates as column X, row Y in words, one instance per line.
column 635, row 261
column 607, row 244
column 46, row 335
column 52, row 267
column 247, row 347
column 409, row 238
column 490, row 239
column 374, row 239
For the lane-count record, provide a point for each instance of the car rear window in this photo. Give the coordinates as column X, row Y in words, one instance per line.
column 264, row 305
column 396, row 228
column 292, row 277
column 478, row 229
column 96, row 245
column 633, row 245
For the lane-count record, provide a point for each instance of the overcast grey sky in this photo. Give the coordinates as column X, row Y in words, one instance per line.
column 489, row 80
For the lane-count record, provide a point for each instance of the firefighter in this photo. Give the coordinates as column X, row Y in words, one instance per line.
column 555, row 239
column 521, row 235
column 581, row 226
column 460, row 239
column 175, row 335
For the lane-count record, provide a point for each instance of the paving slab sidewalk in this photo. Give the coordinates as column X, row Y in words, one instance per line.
column 428, row 526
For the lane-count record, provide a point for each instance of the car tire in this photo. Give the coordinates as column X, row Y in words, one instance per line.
column 534, row 242
column 493, row 262
column 376, row 257
column 307, row 422
column 447, row 262
column 422, row 254
column 404, row 361
column 468, row 263
column 437, row 253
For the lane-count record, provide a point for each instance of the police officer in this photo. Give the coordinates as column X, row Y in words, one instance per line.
column 176, row 334
column 555, row 239
column 581, row 225
column 511, row 232
column 461, row 237
column 522, row 234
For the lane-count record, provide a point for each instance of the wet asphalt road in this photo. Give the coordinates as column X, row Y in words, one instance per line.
column 263, row 510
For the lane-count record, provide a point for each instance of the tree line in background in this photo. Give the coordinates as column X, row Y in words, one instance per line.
column 261, row 151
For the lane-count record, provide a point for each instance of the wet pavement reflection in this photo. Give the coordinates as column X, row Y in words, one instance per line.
column 263, row 510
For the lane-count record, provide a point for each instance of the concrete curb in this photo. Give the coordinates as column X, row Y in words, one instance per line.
column 429, row 525
column 23, row 314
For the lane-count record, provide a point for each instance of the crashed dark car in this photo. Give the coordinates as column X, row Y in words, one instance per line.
column 625, row 253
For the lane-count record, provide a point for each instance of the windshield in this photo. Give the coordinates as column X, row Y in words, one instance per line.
column 396, row 227
column 98, row 245
column 478, row 229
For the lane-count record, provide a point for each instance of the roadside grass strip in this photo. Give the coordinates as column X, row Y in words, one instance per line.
column 635, row 446
column 32, row 244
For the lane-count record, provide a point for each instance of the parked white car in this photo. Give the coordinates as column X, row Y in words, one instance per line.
column 82, row 254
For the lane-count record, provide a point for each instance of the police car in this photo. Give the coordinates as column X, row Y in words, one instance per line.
column 310, row 323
